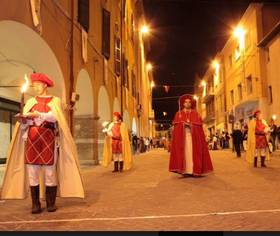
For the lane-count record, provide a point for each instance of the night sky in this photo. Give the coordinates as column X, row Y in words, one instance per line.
column 185, row 37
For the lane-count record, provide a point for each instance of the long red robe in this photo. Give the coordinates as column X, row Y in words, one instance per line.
column 201, row 157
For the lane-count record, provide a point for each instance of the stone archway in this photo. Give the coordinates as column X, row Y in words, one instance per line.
column 84, row 119
column 104, row 114
column 22, row 51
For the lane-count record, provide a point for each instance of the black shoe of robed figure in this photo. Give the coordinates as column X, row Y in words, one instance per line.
column 255, row 162
column 121, row 166
column 116, row 166
column 262, row 162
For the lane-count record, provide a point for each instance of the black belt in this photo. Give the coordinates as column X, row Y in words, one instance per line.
column 260, row 134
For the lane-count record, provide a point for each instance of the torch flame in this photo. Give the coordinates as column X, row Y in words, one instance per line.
column 25, row 85
column 105, row 123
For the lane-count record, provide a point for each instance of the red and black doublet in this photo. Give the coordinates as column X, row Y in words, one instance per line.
column 116, row 138
column 41, row 139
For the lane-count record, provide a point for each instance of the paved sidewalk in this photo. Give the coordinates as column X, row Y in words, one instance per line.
column 148, row 197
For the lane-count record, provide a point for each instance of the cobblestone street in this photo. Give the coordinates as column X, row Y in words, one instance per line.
column 235, row 197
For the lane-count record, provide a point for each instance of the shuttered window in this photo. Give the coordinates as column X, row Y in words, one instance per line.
column 106, row 33
column 83, row 13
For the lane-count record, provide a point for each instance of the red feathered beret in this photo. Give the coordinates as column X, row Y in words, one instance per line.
column 117, row 114
column 256, row 112
column 42, row 78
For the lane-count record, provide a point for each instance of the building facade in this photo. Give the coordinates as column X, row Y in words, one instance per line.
column 240, row 79
column 94, row 52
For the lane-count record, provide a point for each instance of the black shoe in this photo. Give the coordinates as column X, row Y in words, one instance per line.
column 116, row 166
column 255, row 162
column 262, row 162
column 36, row 205
column 121, row 166
column 51, row 197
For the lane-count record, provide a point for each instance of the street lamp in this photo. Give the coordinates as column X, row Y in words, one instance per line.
column 239, row 33
column 203, row 84
column 149, row 66
column 152, row 84
column 216, row 66
column 145, row 29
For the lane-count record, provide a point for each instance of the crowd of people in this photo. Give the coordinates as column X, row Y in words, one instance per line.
column 144, row 144
column 237, row 140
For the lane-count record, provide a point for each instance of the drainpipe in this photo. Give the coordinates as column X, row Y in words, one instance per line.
column 122, row 59
column 71, row 76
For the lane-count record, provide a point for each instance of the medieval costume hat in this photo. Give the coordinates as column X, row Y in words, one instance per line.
column 41, row 78
column 183, row 98
column 117, row 114
column 256, row 113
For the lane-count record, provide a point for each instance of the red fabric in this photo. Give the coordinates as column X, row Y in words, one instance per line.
column 42, row 78
column 41, row 141
column 117, row 114
column 116, row 138
column 261, row 141
column 201, row 157
column 40, row 146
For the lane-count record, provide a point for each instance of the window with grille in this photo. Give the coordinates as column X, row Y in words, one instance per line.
column 133, row 81
column 106, row 33
column 230, row 61
column 117, row 56
column 247, row 40
column 232, row 97
column 125, row 72
column 239, row 92
column 249, row 84
column 83, row 14
column 270, row 94
column 132, row 28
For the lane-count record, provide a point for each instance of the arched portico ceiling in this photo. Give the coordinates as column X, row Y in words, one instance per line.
column 22, row 50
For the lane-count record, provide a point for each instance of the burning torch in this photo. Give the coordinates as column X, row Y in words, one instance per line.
column 23, row 90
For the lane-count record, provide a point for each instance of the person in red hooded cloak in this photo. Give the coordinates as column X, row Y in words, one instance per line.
column 189, row 152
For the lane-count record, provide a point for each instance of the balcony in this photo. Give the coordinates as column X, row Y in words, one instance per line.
column 209, row 118
column 209, row 95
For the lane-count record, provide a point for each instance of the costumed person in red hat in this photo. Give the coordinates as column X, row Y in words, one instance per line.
column 117, row 145
column 257, row 142
column 189, row 151
column 42, row 153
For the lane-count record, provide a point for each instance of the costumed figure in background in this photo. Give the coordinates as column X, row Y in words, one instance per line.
column 117, row 145
column 189, row 151
column 42, row 153
column 257, row 142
